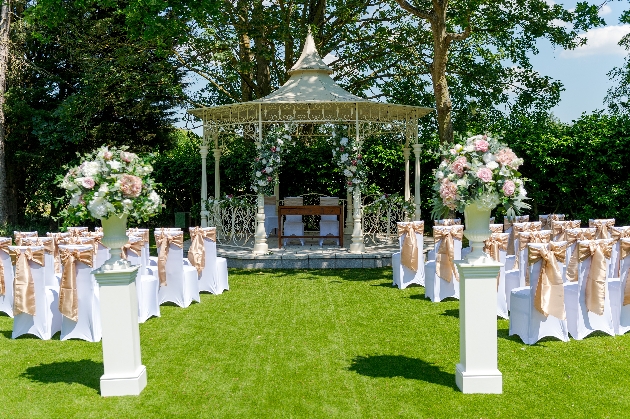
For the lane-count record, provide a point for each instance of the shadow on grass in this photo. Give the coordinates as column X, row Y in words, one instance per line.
column 85, row 372
column 453, row 312
column 352, row 275
column 418, row 297
column 390, row 366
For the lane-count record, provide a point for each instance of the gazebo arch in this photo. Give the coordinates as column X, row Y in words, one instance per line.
column 310, row 96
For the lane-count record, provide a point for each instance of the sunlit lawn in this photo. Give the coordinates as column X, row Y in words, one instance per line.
column 314, row 344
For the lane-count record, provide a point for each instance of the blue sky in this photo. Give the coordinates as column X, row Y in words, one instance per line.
column 583, row 71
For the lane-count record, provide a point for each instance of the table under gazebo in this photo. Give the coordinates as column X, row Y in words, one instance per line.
column 310, row 97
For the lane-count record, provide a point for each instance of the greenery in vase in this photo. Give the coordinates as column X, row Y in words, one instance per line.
column 110, row 181
column 482, row 170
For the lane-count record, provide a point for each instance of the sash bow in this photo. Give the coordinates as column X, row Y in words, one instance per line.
column 602, row 228
column 409, row 254
column 197, row 250
column 5, row 242
column 23, row 285
column 163, row 241
column 135, row 247
column 68, row 298
column 595, row 291
column 573, row 236
column 549, row 295
column 444, row 266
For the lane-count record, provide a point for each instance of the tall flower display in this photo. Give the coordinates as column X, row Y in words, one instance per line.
column 266, row 165
column 110, row 181
column 347, row 155
column 483, row 171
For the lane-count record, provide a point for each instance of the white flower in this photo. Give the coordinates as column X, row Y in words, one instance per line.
column 469, row 148
column 155, row 198
column 352, row 168
column 439, row 174
column 344, row 141
column 258, row 174
column 103, row 189
column 127, row 203
column 115, row 165
column 492, row 165
column 268, row 169
column 98, row 207
column 264, row 161
column 344, row 157
column 347, row 173
column 280, row 142
column 74, row 201
column 463, row 182
column 504, row 171
column 458, row 147
column 91, row 168
column 488, row 157
column 443, row 164
column 262, row 182
column 287, row 136
column 521, row 191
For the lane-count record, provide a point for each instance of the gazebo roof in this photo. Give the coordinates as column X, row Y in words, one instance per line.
column 310, row 95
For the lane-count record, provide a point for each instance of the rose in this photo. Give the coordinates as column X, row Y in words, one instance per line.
column 130, row 186
column 273, row 149
column 127, row 157
column 505, row 156
column 459, row 165
column 269, row 178
column 341, row 149
column 108, row 155
column 359, row 157
column 88, row 182
column 509, row 188
column 354, row 162
column 484, row 174
column 481, row 145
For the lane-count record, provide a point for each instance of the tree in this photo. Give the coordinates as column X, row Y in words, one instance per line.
column 5, row 27
column 495, row 31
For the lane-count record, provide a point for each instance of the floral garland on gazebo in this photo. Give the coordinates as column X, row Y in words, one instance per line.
column 266, row 165
column 347, row 155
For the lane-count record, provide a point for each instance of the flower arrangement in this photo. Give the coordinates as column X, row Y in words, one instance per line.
column 482, row 170
column 110, row 181
column 266, row 165
column 347, row 156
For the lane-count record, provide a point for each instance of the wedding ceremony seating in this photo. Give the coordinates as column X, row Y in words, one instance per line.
column 496, row 247
column 147, row 284
column 521, row 241
column 6, row 277
column 588, row 302
column 328, row 224
column 212, row 270
column 602, row 227
column 293, row 225
column 408, row 263
column 623, row 303
column 19, row 235
column 271, row 215
column 178, row 281
column 36, row 305
column 547, row 219
column 508, row 228
column 79, row 294
column 441, row 277
column 573, row 236
column 48, row 243
column 538, row 310
column 617, row 233
column 559, row 229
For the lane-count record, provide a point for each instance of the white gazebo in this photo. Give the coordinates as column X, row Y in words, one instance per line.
column 310, row 96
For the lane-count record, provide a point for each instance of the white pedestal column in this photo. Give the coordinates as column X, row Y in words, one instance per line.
column 350, row 212
column 417, row 150
column 477, row 371
column 357, row 245
column 203, row 150
column 260, row 243
column 124, row 373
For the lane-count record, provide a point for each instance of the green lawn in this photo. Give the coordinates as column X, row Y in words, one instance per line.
column 314, row 344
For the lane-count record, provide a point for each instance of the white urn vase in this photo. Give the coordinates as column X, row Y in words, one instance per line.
column 115, row 237
column 477, row 231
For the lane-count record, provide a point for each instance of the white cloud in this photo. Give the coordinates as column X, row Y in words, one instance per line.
column 605, row 10
column 329, row 58
column 600, row 41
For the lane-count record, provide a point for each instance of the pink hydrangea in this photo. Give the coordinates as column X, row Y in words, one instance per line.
column 481, row 145
column 459, row 165
column 484, row 174
column 508, row 188
column 448, row 190
column 108, row 155
column 87, row 182
column 506, row 156
column 130, row 186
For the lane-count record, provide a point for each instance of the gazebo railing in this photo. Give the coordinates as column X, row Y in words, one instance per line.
column 380, row 215
column 235, row 219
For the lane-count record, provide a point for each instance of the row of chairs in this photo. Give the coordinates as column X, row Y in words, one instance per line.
column 439, row 275
column 58, row 273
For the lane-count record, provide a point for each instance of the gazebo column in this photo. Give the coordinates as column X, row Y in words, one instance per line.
column 406, row 153
column 349, row 217
column 417, row 150
column 217, row 175
column 260, row 238
column 203, row 150
column 357, row 245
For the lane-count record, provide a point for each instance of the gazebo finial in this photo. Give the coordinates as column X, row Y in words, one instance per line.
column 310, row 59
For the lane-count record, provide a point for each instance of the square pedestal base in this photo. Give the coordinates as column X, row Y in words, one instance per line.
column 487, row 382
column 124, row 385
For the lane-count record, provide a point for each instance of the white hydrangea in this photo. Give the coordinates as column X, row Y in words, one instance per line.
column 262, row 183
column 344, row 141
column 91, row 168
column 463, row 182
column 127, row 203
column 352, row 169
column 115, row 165
column 488, row 157
column 344, row 157
column 439, row 174
column 347, row 173
column 74, row 201
column 98, row 207
column 155, row 198
column 258, row 174
column 492, row 165
column 268, row 169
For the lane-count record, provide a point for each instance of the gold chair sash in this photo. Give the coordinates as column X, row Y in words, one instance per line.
column 595, row 291
column 602, row 228
column 163, row 241
column 495, row 243
column 4, row 246
column 530, row 236
column 549, row 295
column 136, row 232
column 135, row 247
column 409, row 254
column 573, row 237
column 559, row 228
column 446, row 222
column 624, row 251
column 197, row 250
column 524, row 228
column 496, row 228
column 620, row 233
column 48, row 245
column 68, row 298
column 23, row 285
column 444, row 259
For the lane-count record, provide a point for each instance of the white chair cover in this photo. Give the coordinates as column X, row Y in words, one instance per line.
column 52, row 280
column 508, row 225
column 582, row 322
column 602, row 225
column 436, row 288
column 403, row 276
column 6, row 300
column 21, row 234
column 147, row 284
column 214, row 276
column 144, row 234
column 47, row 319
column 525, row 320
column 293, row 225
column 182, row 285
column 88, row 324
column 548, row 218
column 527, row 237
column 447, row 222
column 617, row 233
column 502, row 298
column 329, row 224
column 623, row 325
column 77, row 230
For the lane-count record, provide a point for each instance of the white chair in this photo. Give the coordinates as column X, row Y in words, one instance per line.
column 329, row 224
column 405, row 275
column 441, row 277
column 559, row 229
column 271, row 215
column 584, row 312
column 212, row 270
column 77, row 231
column 48, row 243
column 548, row 218
column 496, row 247
column 143, row 233
column 147, row 284
column 521, row 241
column 508, row 224
column 19, row 235
column 617, row 233
column 56, row 237
column 448, row 222
column 602, row 227
column 6, row 296
column 539, row 310
column 293, row 225
column 82, row 293
column 44, row 319
column 573, row 236
column 623, row 305
column 178, row 282
column 101, row 253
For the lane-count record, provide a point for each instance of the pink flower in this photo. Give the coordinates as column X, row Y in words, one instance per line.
column 273, row 149
column 484, row 174
column 354, row 162
column 130, row 186
column 506, row 156
column 269, row 178
column 127, row 157
column 87, row 182
column 509, row 188
column 341, row 148
column 459, row 165
column 349, row 183
column 448, row 190
column 481, row 145
column 108, row 155
column 359, row 157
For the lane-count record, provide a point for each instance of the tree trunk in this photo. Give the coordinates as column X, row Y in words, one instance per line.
column 443, row 104
column 5, row 24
